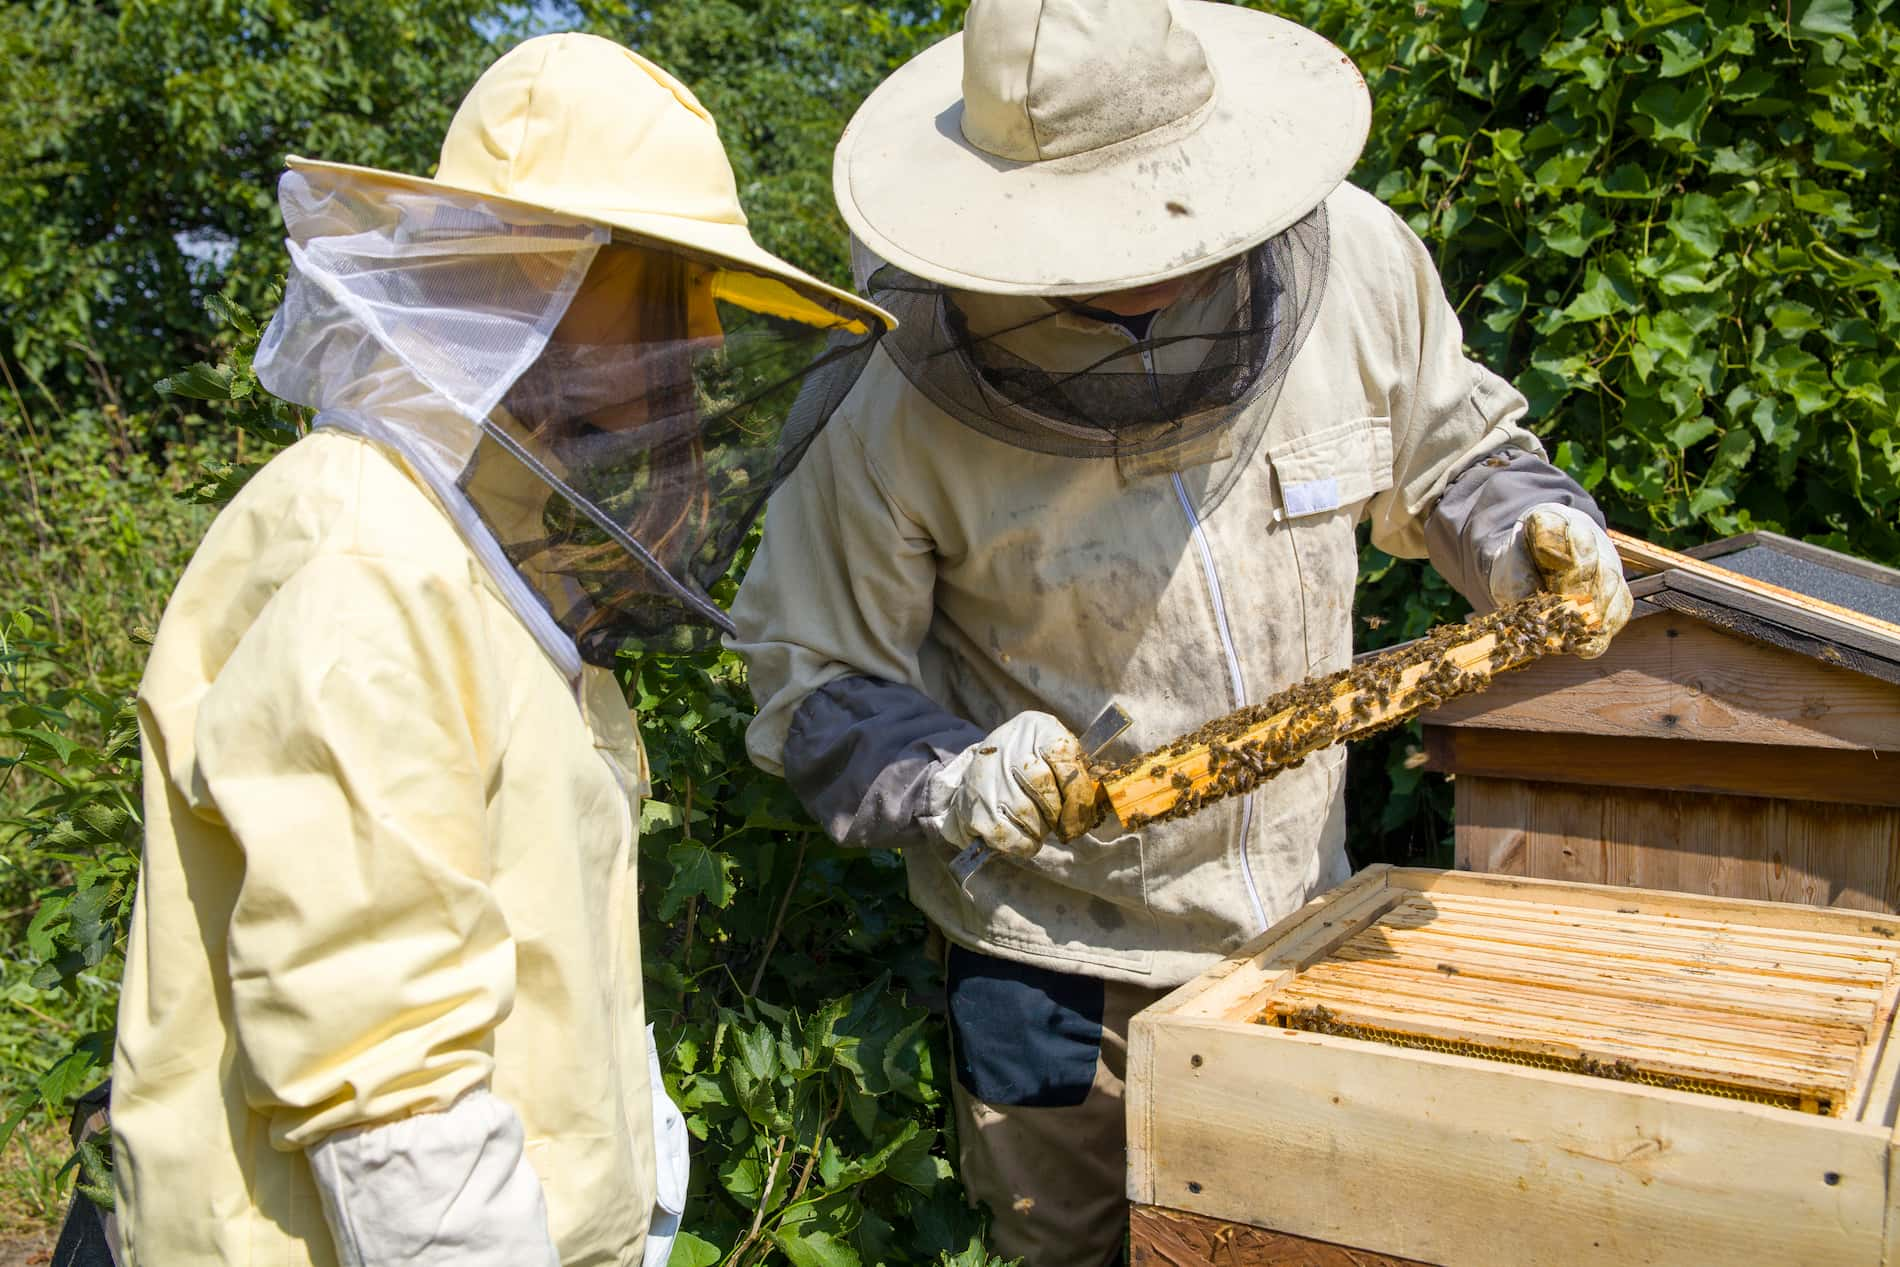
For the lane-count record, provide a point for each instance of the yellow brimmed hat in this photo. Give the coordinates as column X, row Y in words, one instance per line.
column 582, row 127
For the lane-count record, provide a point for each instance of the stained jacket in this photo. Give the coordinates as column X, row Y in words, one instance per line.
column 920, row 583
column 389, row 859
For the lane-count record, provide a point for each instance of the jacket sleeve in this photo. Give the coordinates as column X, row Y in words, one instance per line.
column 348, row 744
column 1476, row 520
column 1449, row 415
column 831, row 616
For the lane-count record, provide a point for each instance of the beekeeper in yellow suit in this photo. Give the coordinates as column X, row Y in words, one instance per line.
column 383, row 996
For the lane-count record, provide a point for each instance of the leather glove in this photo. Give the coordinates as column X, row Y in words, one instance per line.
column 1558, row 549
column 1008, row 789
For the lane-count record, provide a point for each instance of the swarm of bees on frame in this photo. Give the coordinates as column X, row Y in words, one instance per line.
column 1239, row 762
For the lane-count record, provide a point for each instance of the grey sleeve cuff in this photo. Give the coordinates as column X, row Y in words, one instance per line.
column 859, row 755
column 1473, row 522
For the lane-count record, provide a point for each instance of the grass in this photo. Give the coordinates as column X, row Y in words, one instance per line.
column 33, row 1196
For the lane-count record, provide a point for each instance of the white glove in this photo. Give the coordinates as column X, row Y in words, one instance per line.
column 448, row 1189
column 1006, row 790
column 1558, row 549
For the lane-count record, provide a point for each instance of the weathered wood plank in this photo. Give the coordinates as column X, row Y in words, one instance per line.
column 1755, row 770
column 1160, row 1237
column 1830, row 858
column 1567, row 840
column 1642, row 832
column 1674, row 677
column 1493, row 817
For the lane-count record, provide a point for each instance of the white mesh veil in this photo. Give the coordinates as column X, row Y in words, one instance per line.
column 602, row 418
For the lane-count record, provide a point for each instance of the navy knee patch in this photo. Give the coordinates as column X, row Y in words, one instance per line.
column 1026, row 1037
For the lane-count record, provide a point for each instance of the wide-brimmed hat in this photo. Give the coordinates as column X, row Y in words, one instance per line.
column 1071, row 147
column 579, row 126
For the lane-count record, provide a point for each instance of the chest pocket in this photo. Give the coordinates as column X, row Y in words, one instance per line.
column 1335, row 467
column 1322, row 480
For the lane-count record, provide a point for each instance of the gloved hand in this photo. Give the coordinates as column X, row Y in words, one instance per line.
column 1558, row 549
column 1008, row 789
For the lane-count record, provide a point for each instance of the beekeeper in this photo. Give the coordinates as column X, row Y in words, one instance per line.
column 383, row 997
column 1155, row 364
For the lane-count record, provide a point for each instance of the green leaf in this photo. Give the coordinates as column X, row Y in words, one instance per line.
column 1667, row 332
column 1675, row 112
column 808, row 1245
column 692, row 1251
column 200, row 382
column 1824, row 19
column 697, row 872
column 1602, row 296
column 1698, row 223
column 1689, row 432
column 1571, row 229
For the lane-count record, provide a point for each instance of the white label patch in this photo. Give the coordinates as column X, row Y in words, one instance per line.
column 1309, row 497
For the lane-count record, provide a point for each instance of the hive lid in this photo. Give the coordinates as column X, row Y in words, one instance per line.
column 1772, row 1015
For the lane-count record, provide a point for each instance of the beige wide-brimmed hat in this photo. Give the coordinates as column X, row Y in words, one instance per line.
column 1071, row 147
column 582, row 127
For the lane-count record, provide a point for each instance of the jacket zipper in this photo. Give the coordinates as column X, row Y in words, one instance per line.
column 1233, row 673
column 1227, row 648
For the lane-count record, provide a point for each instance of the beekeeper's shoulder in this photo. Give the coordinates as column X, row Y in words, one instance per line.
column 898, row 430
column 336, row 493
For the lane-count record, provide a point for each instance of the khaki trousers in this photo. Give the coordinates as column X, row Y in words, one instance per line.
column 1054, row 1178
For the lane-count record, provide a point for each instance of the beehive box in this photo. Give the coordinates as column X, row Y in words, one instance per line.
column 1487, row 1070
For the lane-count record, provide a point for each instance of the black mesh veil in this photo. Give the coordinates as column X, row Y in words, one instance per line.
column 1057, row 377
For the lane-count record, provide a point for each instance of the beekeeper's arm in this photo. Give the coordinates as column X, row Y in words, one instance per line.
column 1471, row 486
column 831, row 616
column 348, row 744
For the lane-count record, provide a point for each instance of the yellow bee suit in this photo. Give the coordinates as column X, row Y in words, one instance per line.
column 389, row 859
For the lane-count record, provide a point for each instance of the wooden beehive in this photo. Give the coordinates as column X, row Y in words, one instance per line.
column 1740, row 738
column 1481, row 1070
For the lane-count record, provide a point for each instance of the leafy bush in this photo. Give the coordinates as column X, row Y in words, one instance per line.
column 73, row 844
column 1675, row 227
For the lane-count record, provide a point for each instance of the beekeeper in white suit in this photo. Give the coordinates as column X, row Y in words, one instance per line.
column 1155, row 363
column 383, row 996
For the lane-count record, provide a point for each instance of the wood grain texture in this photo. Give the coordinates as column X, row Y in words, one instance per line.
column 1772, row 1013
column 1657, row 596
column 1450, row 1159
column 1493, row 824
column 1447, row 1159
column 1674, row 677
column 1160, row 1237
column 1725, row 846
column 1599, row 761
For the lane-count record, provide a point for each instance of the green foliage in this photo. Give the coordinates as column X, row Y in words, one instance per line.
column 818, row 1113
column 140, row 146
column 1673, row 225
column 74, row 840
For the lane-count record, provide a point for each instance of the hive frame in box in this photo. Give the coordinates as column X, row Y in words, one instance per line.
column 1470, row 1162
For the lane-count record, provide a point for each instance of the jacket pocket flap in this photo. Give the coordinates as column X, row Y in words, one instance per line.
column 1334, row 466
